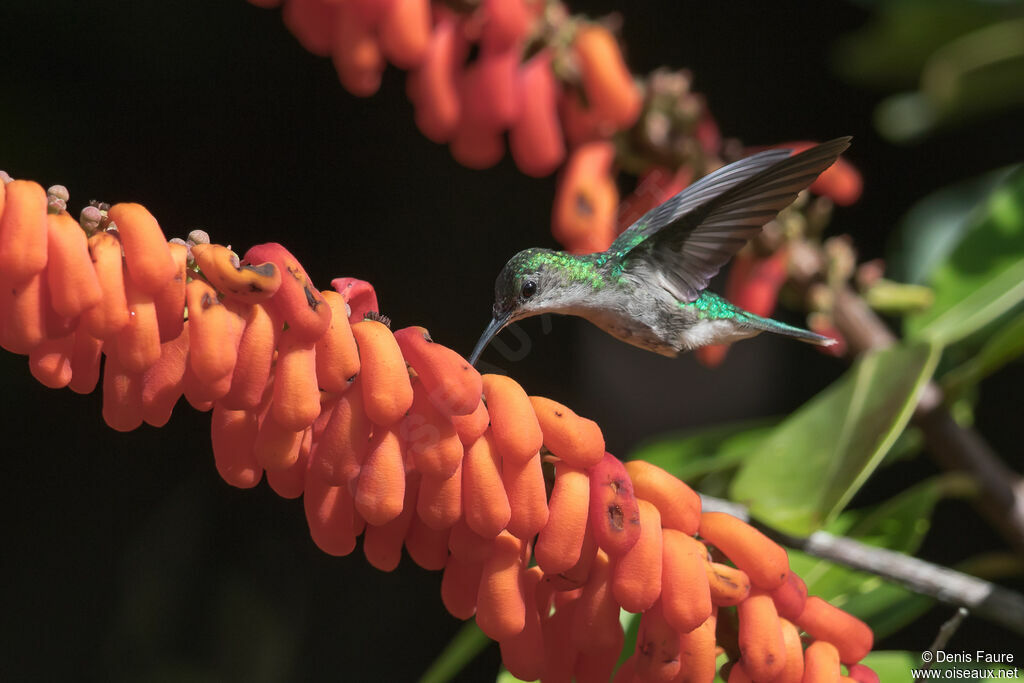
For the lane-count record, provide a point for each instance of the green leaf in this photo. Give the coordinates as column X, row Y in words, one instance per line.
column 898, row 666
column 984, row 276
column 895, row 45
column 805, row 472
column 977, row 73
column 893, row 665
column 1002, row 347
column 934, row 226
column 630, row 628
column 898, row 524
column 463, row 648
column 691, row 454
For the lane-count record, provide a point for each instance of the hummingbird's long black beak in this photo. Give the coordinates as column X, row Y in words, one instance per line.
column 496, row 326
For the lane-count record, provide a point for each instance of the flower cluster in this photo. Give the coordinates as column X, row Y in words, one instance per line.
column 557, row 87
column 555, row 84
column 396, row 438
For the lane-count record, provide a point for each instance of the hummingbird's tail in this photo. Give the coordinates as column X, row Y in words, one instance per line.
column 774, row 326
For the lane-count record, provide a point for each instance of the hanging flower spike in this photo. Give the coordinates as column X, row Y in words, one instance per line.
column 425, row 464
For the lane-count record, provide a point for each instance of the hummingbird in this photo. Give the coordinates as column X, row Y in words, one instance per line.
column 649, row 288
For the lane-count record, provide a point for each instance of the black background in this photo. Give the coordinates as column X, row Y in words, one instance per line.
column 126, row 557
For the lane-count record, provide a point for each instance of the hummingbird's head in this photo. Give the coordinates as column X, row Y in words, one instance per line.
column 526, row 286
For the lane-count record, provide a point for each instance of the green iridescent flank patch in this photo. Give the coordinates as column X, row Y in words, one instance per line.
column 711, row 306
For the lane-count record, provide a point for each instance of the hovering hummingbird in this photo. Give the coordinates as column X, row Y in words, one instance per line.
column 649, row 288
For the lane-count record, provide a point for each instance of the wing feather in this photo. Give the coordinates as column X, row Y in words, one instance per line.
column 690, row 237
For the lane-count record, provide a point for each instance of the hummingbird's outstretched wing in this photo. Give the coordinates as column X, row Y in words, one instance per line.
column 691, row 236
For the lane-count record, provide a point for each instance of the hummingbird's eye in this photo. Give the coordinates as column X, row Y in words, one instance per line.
column 529, row 289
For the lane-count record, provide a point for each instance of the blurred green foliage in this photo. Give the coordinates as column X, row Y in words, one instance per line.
column 960, row 59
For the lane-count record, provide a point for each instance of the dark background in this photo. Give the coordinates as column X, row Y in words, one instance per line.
column 126, row 557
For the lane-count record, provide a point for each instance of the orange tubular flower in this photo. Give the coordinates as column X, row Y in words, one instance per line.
column 697, row 653
column 513, row 421
column 822, row 621
column 439, row 502
column 678, row 504
column 574, row 439
column 359, row 296
column 344, row 443
column 74, row 287
column 477, row 147
column 485, row 500
column 821, row 663
column 404, row 33
column 106, row 318
column 614, row 513
column 432, row 86
column 501, row 603
column 23, row 315
column 636, row 578
column 507, row 22
column 387, row 392
column 233, row 433
column 586, row 201
column 298, row 303
column 23, row 228
column 491, row 96
column 296, row 399
column 245, row 283
column 657, row 647
column 427, row 547
column 214, row 335
column 535, row 139
column 170, row 301
column 793, row 669
column 50, row 362
column 595, row 624
column 329, row 513
column 337, row 356
column 310, row 21
column 761, row 642
column 523, row 653
column 527, row 497
column 380, row 488
column 164, row 382
column 451, row 383
column 606, row 80
column 762, row 559
column 146, row 254
column 685, row 593
column 138, row 342
column 382, row 543
column 561, row 540
column 355, row 51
